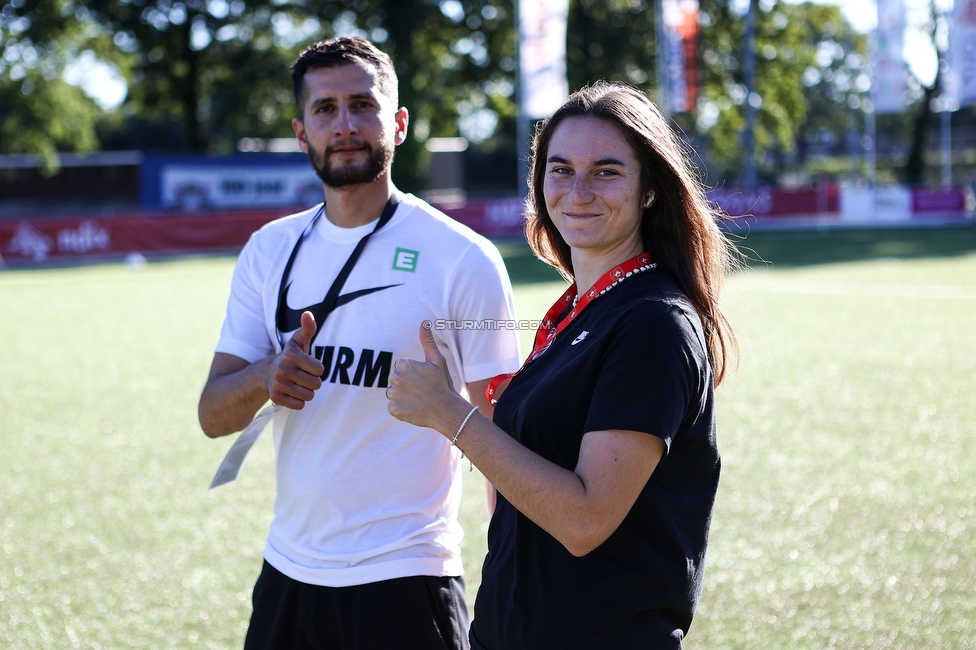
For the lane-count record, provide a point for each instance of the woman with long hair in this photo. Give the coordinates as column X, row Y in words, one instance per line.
column 602, row 448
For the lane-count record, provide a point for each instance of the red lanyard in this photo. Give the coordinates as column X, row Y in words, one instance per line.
column 551, row 326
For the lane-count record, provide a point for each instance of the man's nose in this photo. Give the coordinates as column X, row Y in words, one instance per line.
column 346, row 122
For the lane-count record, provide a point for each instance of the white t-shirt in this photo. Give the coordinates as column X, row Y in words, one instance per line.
column 361, row 496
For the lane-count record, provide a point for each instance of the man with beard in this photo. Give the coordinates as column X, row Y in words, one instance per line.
column 363, row 550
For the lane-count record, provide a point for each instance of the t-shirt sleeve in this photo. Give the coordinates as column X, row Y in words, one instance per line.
column 653, row 373
column 244, row 333
column 482, row 295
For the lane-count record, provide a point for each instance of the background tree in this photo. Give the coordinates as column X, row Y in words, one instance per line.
column 836, row 87
column 615, row 39
column 213, row 66
column 39, row 111
column 204, row 73
column 913, row 172
column 611, row 39
column 793, row 42
column 219, row 68
column 455, row 62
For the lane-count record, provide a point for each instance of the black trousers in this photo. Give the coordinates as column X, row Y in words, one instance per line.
column 414, row 613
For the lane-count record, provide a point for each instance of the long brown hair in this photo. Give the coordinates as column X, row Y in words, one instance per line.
column 680, row 229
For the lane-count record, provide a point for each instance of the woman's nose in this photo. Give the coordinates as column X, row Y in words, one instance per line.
column 580, row 192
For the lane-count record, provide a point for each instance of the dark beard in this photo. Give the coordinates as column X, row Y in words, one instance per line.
column 377, row 161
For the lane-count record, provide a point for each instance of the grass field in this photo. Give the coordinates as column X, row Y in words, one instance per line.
column 846, row 515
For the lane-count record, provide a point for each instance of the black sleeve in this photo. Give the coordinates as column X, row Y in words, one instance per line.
column 652, row 372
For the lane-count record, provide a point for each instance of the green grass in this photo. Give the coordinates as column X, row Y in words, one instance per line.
column 845, row 517
column 807, row 247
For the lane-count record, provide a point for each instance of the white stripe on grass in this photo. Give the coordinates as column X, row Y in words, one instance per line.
column 859, row 289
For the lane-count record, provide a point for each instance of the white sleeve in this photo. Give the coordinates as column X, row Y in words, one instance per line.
column 482, row 292
column 244, row 333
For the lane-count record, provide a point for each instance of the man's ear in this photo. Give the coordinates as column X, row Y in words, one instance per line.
column 299, row 127
column 402, row 119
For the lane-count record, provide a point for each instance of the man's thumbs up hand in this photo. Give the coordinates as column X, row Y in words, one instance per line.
column 295, row 375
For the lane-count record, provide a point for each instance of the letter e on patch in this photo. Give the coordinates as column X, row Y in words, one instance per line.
column 405, row 259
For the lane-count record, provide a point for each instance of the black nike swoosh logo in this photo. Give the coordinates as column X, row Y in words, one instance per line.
column 291, row 319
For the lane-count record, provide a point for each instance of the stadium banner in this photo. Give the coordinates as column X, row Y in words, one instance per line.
column 771, row 207
column 962, row 54
column 681, row 35
column 92, row 237
column 192, row 182
column 542, row 56
column 881, row 205
column 191, row 188
column 26, row 242
column 771, row 202
column 926, row 202
column 890, row 71
column 84, row 236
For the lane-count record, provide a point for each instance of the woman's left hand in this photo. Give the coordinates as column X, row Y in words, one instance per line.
column 421, row 392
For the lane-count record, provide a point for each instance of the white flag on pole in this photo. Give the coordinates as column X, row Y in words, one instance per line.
column 681, row 32
column 890, row 71
column 962, row 54
column 542, row 56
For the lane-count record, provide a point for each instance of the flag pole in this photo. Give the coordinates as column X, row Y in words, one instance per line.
column 947, row 103
column 521, row 120
column 870, row 125
column 661, row 58
column 749, row 75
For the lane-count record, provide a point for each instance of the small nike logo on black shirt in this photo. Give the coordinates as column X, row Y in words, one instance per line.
column 578, row 338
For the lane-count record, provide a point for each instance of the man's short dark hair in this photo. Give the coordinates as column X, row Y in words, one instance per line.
column 343, row 51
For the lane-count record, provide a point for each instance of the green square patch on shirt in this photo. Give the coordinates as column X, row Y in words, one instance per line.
column 405, row 259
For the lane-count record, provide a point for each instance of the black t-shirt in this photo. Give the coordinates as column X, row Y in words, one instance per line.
column 634, row 359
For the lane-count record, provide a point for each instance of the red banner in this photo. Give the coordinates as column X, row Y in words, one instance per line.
column 770, row 202
column 938, row 201
column 39, row 240
column 497, row 218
